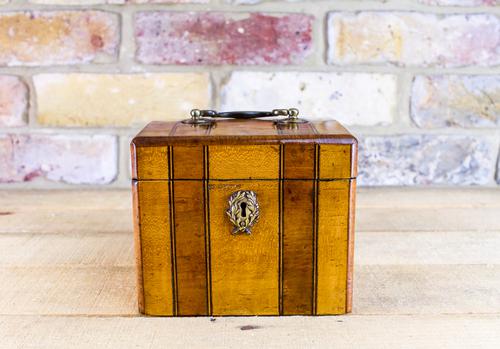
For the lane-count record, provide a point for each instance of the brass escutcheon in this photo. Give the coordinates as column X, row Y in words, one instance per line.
column 243, row 211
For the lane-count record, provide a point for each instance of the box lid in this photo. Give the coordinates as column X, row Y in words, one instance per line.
column 253, row 149
column 234, row 131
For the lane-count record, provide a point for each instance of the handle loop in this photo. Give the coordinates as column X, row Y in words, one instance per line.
column 204, row 117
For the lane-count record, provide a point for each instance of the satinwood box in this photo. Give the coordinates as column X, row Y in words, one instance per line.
column 244, row 217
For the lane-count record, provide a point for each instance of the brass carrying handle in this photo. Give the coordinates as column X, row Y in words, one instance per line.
column 204, row 117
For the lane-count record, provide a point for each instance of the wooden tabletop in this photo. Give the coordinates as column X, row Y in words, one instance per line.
column 427, row 274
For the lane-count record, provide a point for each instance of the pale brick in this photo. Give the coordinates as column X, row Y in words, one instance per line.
column 201, row 38
column 426, row 159
column 413, row 39
column 455, row 100
column 92, row 2
column 167, row 1
column 466, row 3
column 352, row 98
column 498, row 169
column 13, row 101
column 118, row 100
column 58, row 37
column 77, row 159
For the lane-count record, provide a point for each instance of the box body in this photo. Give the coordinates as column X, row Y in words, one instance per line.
column 297, row 257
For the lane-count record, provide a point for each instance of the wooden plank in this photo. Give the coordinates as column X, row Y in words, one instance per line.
column 426, row 289
column 419, row 332
column 332, row 247
column 378, row 289
column 244, row 267
column 408, row 197
column 53, row 220
column 67, row 250
column 156, row 248
column 68, row 290
column 67, row 200
column 109, row 211
column 427, row 248
column 435, row 219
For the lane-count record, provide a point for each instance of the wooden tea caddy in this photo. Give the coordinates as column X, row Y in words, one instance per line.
column 242, row 216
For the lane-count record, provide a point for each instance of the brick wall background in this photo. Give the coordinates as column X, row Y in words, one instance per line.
column 417, row 80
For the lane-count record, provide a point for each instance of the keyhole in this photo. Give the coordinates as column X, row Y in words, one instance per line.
column 243, row 206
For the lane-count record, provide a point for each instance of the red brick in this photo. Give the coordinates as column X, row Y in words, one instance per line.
column 219, row 38
column 13, row 101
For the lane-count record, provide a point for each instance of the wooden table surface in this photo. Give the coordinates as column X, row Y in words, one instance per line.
column 427, row 275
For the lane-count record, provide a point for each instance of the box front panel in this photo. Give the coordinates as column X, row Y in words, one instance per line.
column 244, row 161
column 244, row 267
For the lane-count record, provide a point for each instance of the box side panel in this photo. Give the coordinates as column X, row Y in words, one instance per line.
column 332, row 246
column 137, row 246
column 350, row 251
column 244, row 267
column 156, row 248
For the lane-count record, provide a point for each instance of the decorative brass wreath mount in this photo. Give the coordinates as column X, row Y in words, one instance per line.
column 243, row 211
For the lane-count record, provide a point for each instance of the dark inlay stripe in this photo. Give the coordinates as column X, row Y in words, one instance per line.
column 298, row 229
column 190, row 238
column 207, row 231
column 315, row 229
column 280, row 218
column 172, row 230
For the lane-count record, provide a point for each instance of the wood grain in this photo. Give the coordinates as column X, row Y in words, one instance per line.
column 244, row 161
column 332, row 246
column 237, row 132
column 350, row 244
column 190, row 254
column 149, row 162
column 154, row 236
column 75, row 288
column 244, row 267
column 375, row 331
column 298, row 161
column 188, row 162
column 298, row 247
column 335, row 161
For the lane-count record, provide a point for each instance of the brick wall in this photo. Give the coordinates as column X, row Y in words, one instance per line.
column 417, row 80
